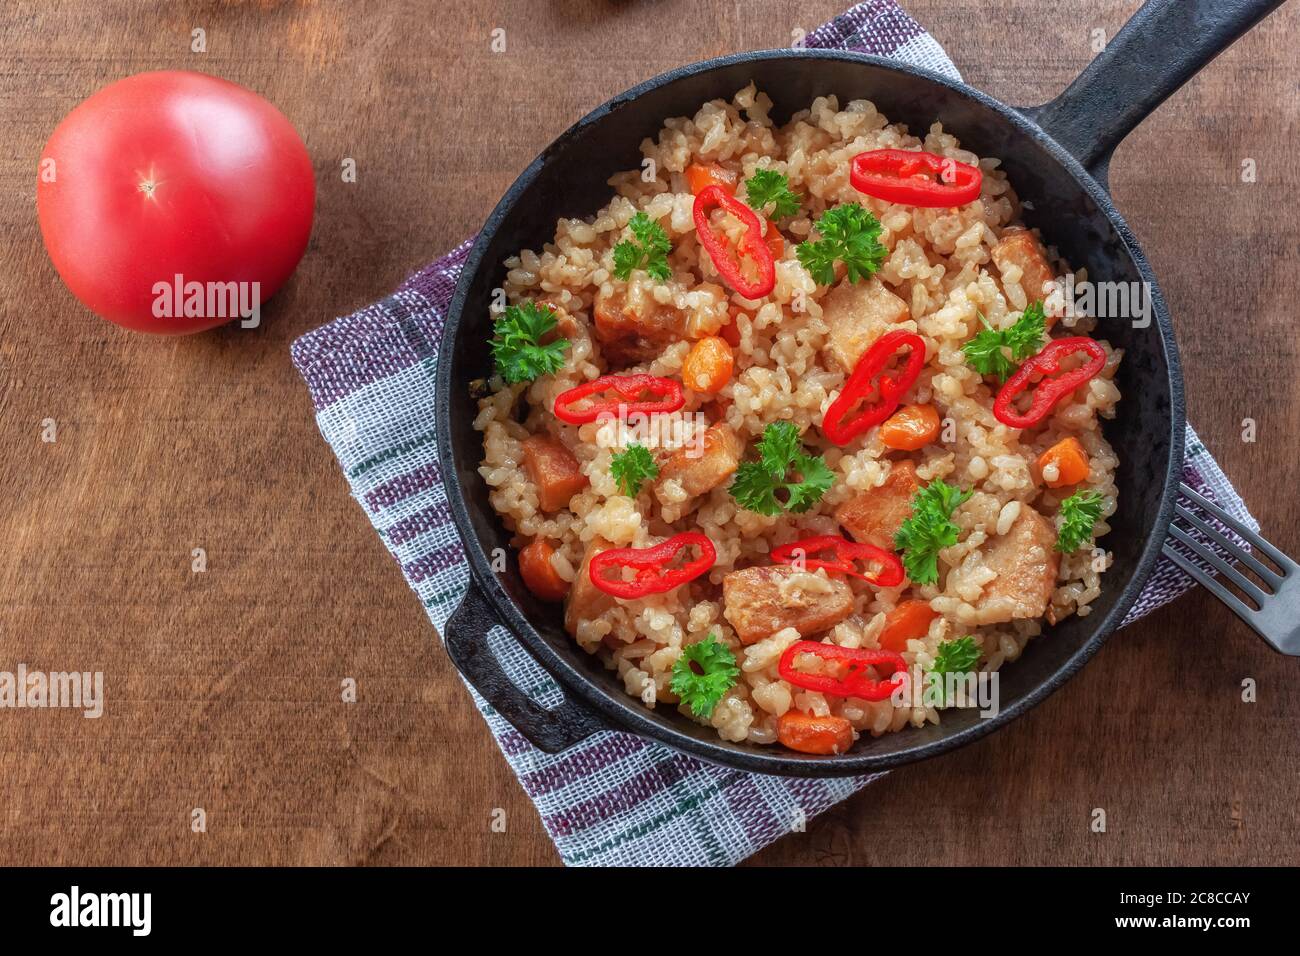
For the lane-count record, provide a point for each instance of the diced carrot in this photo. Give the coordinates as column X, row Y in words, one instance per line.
column 814, row 735
column 910, row 428
column 700, row 176
column 554, row 471
column 1066, row 460
column 775, row 241
column 708, row 365
column 539, row 574
column 907, row 622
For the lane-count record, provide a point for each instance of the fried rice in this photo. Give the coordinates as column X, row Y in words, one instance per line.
column 943, row 267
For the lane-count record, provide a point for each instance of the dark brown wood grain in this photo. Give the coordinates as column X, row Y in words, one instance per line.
column 224, row 687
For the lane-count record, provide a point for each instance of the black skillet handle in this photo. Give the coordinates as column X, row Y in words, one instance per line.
column 551, row 731
column 1158, row 50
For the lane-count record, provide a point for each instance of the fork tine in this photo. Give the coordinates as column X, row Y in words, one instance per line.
column 1232, row 547
column 1225, row 568
column 1256, row 540
column 1211, row 584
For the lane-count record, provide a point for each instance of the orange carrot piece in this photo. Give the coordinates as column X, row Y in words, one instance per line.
column 910, row 428
column 1071, row 463
column 539, row 574
column 907, row 622
column 814, row 735
column 708, row 365
column 700, row 176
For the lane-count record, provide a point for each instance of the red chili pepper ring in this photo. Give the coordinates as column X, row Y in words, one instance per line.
column 752, row 243
column 665, row 395
column 838, row 424
column 1049, row 391
column 915, row 179
column 853, row 682
column 845, row 553
column 653, row 576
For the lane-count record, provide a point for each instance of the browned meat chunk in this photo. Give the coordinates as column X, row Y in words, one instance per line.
column 632, row 330
column 873, row 516
column 758, row 602
column 857, row 314
column 554, row 470
column 586, row 602
column 701, row 469
column 1026, row 562
column 1019, row 248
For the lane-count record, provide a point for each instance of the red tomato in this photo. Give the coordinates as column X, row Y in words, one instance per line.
column 174, row 174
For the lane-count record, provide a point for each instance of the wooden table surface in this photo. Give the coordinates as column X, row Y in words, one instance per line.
column 223, row 687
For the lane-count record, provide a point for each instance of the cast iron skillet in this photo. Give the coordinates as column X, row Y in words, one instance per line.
column 1056, row 156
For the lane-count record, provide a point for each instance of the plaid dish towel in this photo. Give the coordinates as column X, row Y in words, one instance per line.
column 615, row 798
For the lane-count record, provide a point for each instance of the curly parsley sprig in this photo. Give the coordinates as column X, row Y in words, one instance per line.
column 758, row 483
column 648, row 250
column 632, row 466
column 953, row 657
column 703, row 673
column 996, row 351
column 768, row 187
column 1079, row 514
column 929, row 530
column 849, row 234
column 517, row 343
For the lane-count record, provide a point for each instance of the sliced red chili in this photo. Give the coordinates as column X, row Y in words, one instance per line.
column 752, row 244
column 646, row 394
column 840, row 423
column 845, row 553
column 1049, row 391
column 653, row 574
column 915, row 179
column 853, row 681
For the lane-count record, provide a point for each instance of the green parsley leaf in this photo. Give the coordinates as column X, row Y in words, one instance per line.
column 780, row 452
column 995, row 351
column 778, row 446
column 953, row 657
column 848, row 233
column 755, row 490
column 816, row 479
column 929, row 530
column 1079, row 513
column 649, row 250
column 768, row 186
column 517, row 343
column 703, row 673
column 631, row 466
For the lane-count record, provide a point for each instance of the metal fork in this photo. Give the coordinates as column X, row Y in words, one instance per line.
column 1277, row 618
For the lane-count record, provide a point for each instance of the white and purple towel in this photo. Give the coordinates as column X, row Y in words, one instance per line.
column 615, row 798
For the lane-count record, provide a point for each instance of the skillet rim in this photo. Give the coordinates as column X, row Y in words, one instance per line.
column 626, row 714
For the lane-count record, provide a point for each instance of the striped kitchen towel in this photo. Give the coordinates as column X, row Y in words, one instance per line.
column 615, row 798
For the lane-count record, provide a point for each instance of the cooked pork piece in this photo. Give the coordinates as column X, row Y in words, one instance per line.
column 873, row 516
column 857, row 314
column 1026, row 562
column 760, row 601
